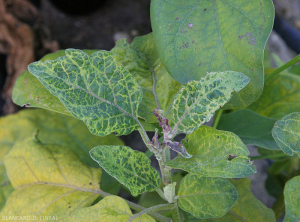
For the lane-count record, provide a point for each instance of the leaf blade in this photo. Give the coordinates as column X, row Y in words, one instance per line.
column 292, row 200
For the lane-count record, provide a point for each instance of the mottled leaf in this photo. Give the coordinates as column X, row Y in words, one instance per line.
column 286, row 133
column 28, row 90
column 251, row 127
column 48, row 180
column 94, row 89
column 247, row 208
column 129, row 167
column 280, row 97
column 53, row 128
column 205, row 197
column 197, row 101
column 292, row 200
column 195, row 37
column 110, row 209
column 215, row 154
column 141, row 59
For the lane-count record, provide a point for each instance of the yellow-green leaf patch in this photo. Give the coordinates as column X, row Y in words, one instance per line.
column 94, row 89
column 129, row 167
column 292, row 200
column 215, row 154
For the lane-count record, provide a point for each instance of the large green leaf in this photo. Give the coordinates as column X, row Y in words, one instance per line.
column 195, row 37
column 205, row 197
column 48, row 180
column 141, row 59
column 129, row 167
column 247, row 208
column 280, row 97
column 110, row 209
column 215, row 154
column 292, row 200
column 286, row 133
column 197, row 101
column 94, row 89
column 53, row 128
column 28, row 90
column 251, row 127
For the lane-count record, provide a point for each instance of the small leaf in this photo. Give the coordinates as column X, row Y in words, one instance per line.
column 292, row 200
column 279, row 103
column 197, row 101
column 110, row 209
column 195, row 37
column 94, row 89
column 141, row 59
column 129, row 167
column 179, row 148
column 251, row 127
column 246, row 208
column 286, row 133
column 169, row 192
column 49, row 180
column 215, row 154
column 206, row 197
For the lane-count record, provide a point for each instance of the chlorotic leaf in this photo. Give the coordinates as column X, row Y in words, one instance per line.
column 197, row 101
column 94, row 89
column 48, row 180
column 169, row 192
column 5, row 187
column 195, row 37
column 279, row 103
column 28, row 91
column 205, row 197
column 215, row 154
column 292, row 200
column 110, row 209
column 129, row 167
column 286, row 133
column 246, row 208
column 141, row 59
column 251, row 127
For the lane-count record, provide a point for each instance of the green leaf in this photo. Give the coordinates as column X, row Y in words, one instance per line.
column 110, row 209
column 292, row 200
column 205, row 197
column 197, row 101
column 28, row 90
column 195, row 37
column 215, row 154
column 141, row 59
column 5, row 187
column 129, row 167
column 277, row 103
column 246, row 208
column 286, row 133
column 251, row 127
column 49, row 180
column 53, row 128
column 94, row 89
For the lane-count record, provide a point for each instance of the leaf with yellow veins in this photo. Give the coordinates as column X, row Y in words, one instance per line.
column 93, row 88
column 110, row 209
column 48, row 180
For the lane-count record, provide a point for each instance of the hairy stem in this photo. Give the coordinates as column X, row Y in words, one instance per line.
column 176, row 213
column 279, row 155
column 153, row 209
column 217, row 118
column 145, row 139
column 165, row 170
column 284, row 67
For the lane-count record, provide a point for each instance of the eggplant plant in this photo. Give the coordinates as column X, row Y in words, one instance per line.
column 205, row 58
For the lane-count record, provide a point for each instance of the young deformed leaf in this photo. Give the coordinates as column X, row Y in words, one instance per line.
column 246, row 208
column 214, row 154
column 141, row 59
column 129, row 167
column 94, row 89
column 292, row 200
column 110, row 209
column 279, row 103
column 251, row 127
column 197, row 101
column 48, row 180
column 195, row 37
column 205, row 197
column 286, row 133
